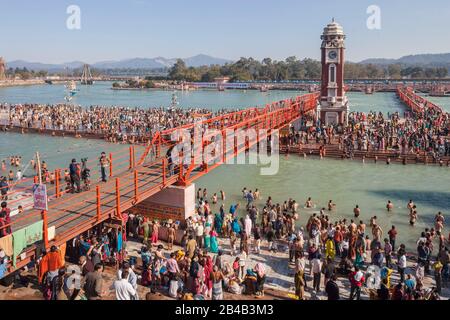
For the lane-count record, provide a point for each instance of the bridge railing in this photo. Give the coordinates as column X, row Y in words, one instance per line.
column 416, row 102
column 134, row 182
column 308, row 102
column 21, row 191
column 95, row 205
column 272, row 117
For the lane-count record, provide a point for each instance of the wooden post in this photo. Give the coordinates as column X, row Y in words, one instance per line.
column 136, row 197
column 99, row 213
column 134, row 157
column 38, row 160
column 131, row 157
column 119, row 214
column 224, row 146
column 164, row 171
column 158, row 147
column 45, row 227
column 110, row 165
column 57, row 183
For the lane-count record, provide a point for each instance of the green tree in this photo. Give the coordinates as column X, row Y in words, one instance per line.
column 442, row 72
column 178, row 71
column 149, row 84
column 313, row 69
column 395, row 71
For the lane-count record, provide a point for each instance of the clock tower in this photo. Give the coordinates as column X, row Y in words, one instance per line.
column 333, row 107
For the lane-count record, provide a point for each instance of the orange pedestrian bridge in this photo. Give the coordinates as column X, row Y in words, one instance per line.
column 137, row 174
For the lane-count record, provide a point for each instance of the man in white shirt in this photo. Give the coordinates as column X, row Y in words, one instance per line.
column 316, row 268
column 124, row 289
column 248, row 225
column 273, row 217
column 19, row 175
column 199, row 230
column 401, row 266
column 131, row 276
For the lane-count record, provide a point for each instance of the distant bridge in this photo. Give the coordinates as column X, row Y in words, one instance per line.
column 440, row 88
column 52, row 80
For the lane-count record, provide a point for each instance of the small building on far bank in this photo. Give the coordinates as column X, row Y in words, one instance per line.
column 221, row 80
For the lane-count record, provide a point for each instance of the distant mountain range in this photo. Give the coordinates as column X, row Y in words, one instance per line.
column 430, row 60
column 435, row 60
column 135, row 63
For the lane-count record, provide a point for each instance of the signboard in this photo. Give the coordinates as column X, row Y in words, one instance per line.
column 40, row 197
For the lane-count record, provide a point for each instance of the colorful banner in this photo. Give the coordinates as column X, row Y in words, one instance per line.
column 40, row 197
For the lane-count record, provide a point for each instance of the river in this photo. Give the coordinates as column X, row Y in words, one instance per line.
column 347, row 183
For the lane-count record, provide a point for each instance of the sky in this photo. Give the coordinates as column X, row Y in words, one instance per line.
column 36, row 31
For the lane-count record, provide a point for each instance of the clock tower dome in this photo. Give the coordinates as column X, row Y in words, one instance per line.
column 334, row 107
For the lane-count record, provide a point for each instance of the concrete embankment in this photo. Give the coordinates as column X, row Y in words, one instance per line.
column 14, row 83
column 56, row 133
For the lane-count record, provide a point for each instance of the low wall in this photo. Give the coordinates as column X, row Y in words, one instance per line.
column 13, row 83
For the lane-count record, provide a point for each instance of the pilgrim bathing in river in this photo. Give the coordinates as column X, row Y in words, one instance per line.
column 228, row 251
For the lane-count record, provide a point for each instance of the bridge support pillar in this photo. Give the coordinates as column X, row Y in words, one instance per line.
column 174, row 202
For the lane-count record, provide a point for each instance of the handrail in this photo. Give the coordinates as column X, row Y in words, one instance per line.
column 131, row 186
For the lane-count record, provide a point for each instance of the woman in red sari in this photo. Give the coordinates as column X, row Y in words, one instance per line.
column 208, row 269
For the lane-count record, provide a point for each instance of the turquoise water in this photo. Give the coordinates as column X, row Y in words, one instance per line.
column 443, row 102
column 57, row 152
column 102, row 94
column 346, row 183
column 379, row 102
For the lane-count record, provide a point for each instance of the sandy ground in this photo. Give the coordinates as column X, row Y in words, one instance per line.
column 279, row 283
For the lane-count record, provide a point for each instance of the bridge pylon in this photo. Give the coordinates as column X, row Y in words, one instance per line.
column 86, row 76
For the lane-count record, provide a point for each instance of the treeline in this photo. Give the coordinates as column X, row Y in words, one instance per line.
column 249, row 69
column 393, row 71
column 24, row 73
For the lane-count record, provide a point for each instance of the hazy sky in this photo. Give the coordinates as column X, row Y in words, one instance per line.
column 110, row 30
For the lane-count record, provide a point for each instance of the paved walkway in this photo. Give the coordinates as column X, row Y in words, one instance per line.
column 279, row 283
column 280, row 274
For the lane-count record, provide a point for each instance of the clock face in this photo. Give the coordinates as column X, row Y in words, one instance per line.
column 332, row 55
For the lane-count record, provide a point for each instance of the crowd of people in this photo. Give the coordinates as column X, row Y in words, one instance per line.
column 117, row 124
column 414, row 133
column 218, row 253
column 210, row 254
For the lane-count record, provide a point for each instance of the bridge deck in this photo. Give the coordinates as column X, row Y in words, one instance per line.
column 71, row 215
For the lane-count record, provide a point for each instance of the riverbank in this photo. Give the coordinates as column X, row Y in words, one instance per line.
column 68, row 133
column 279, row 284
column 53, row 133
column 14, row 83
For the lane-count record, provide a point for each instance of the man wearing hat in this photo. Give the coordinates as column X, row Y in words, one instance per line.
column 75, row 175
